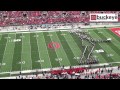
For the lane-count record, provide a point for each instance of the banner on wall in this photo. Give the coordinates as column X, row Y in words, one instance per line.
column 103, row 17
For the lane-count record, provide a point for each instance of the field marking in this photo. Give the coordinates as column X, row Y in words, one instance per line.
column 99, row 55
column 30, row 51
column 55, row 51
column 56, row 30
column 62, row 48
column 8, row 61
column 108, row 50
column 22, row 56
column 70, row 46
column 43, row 51
column 78, row 46
column 21, row 52
column 38, row 50
column 13, row 55
column 101, row 47
column 40, row 31
column 117, row 41
column 4, row 52
column 114, row 31
column 47, row 52
column 112, row 48
column 40, row 60
column 1, row 36
column 49, row 35
column 63, row 34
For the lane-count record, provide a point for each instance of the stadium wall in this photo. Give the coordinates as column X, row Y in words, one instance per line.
column 47, row 27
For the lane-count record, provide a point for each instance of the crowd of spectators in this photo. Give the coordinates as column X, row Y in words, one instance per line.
column 45, row 17
column 76, row 73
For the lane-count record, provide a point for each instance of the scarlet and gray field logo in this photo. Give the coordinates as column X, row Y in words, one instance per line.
column 53, row 45
column 104, row 17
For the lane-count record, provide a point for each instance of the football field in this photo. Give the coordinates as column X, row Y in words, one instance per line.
column 111, row 50
column 39, row 50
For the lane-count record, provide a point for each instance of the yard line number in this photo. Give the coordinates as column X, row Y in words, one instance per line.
column 22, row 62
column 2, row 64
column 76, row 58
column 58, row 59
column 39, row 61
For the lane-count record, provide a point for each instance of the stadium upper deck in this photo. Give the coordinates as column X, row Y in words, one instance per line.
column 45, row 17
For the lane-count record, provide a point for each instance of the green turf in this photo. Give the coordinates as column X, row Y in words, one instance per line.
column 109, row 48
column 52, row 53
column 32, row 52
column 17, row 55
column 26, row 52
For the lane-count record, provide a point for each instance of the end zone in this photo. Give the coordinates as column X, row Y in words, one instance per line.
column 116, row 31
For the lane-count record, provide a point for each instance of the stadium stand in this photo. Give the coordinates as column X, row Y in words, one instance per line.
column 45, row 17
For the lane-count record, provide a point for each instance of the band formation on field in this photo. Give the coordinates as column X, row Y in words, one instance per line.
column 40, row 50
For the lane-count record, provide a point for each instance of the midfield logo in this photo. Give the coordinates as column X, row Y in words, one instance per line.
column 103, row 17
column 53, row 45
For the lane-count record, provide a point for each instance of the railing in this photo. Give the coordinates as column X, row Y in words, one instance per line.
column 55, row 26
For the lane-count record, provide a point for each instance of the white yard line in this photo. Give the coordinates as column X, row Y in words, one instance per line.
column 111, row 47
column 109, row 35
column 50, row 62
column 102, row 46
column 47, row 51
column 5, row 49
column 38, row 49
column 21, row 51
column 63, row 49
column 30, row 51
column 106, row 45
column 13, row 54
column 70, row 47
column 34, row 31
column 56, row 52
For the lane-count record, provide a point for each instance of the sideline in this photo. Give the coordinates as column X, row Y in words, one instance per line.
column 57, row 68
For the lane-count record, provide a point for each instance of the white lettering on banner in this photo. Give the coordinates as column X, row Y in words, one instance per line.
column 103, row 17
column 118, row 32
